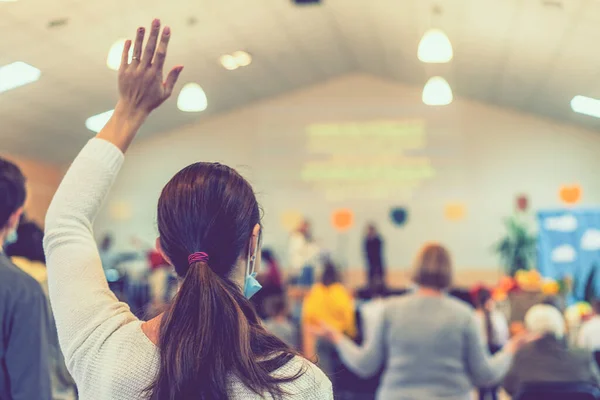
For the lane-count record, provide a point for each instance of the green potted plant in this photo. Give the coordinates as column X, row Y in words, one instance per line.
column 517, row 250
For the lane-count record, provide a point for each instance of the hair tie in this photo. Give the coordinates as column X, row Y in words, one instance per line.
column 198, row 256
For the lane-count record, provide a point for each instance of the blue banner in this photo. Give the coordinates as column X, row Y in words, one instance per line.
column 569, row 245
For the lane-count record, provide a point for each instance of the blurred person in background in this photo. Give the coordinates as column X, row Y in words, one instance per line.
column 24, row 320
column 373, row 248
column 589, row 333
column 209, row 344
column 27, row 253
column 269, row 276
column 330, row 302
column 494, row 328
column 303, row 253
column 430, row 342
column 280, row 324
column 548, row 359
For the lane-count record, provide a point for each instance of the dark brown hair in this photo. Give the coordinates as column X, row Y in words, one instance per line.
column 433, row 268
column 12, row 190
column 330, row 274
column 481, row 299
column 211, row 331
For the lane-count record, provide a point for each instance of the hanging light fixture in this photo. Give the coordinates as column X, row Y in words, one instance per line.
column 192, row 98
column 437, row 92
column 435, row 47
column 113, row 60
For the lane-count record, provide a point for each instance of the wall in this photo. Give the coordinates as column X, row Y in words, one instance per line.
column 42, row 181
column 483, row 156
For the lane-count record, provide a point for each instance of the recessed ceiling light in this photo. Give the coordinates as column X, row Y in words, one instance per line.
column 242, row 58
column 437, row 92
column 17, row 74
column 113, row 61
column 95, row 123
column 228, row 62
column 192, row 98
column 236, row 60
column 435, row 47
column 586, row 105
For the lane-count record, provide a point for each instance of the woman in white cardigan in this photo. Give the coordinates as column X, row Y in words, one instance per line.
column 210, row 344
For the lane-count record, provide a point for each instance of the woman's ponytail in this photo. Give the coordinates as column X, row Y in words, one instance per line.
column 206, row 336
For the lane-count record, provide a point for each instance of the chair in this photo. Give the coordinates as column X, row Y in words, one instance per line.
column 558, row 391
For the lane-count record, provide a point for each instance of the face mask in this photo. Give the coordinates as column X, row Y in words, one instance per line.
column 251, row 285
column 11, row 238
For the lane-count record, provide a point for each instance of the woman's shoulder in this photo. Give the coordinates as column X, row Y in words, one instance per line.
column 311, row 384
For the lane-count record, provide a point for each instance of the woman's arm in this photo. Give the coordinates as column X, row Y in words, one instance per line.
column 83, row 305
column 366, row 360
column 482, row 368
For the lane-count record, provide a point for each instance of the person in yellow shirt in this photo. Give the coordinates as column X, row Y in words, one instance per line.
column 331, row 303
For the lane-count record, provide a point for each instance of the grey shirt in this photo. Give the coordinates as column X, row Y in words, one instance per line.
column 430, row 348
column 24, row 364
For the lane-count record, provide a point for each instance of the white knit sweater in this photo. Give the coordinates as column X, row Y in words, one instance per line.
column 104, row 346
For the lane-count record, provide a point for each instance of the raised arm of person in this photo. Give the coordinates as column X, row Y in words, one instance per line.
column 482, row 368
column 86, row 311
column 365, row 360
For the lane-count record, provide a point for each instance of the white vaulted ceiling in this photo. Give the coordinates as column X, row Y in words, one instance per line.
column 521, row 54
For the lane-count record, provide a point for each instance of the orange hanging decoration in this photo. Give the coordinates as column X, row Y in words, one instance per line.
column 570, row 194
column 342, row 219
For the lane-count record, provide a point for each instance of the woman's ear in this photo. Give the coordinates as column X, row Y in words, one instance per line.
column 160, row 250
column 255, row 245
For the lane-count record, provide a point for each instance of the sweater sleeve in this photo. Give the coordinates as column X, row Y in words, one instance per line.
column 483, row 369
column 85, row 309
column 366, row 360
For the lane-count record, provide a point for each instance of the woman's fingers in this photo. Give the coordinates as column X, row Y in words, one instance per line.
column 151, row 45
column 161, row 53
column 137, row 47
column 172, row 80
column 125, row 55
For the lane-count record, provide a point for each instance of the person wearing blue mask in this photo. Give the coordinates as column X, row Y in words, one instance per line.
column 209, row 343
column 24, row 319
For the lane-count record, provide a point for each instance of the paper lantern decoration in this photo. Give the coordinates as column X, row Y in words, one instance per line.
column 522, row 203
column 454, row 211
column 570, row 194
column 291, row 220
column 342, row 220
column 398, row 216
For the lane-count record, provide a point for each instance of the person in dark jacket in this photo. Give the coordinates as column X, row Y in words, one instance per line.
column 548, row 359
column 24, row 320
column 374, row 256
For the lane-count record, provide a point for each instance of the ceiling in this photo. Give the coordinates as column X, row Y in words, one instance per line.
column 521, row 54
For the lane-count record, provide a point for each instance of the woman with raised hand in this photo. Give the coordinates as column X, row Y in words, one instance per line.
column 209, row 344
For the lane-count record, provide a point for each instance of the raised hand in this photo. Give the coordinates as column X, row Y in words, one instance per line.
column 141, row 85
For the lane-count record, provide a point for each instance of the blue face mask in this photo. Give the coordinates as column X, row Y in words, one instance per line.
column 251, row 285
column 11, row 238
